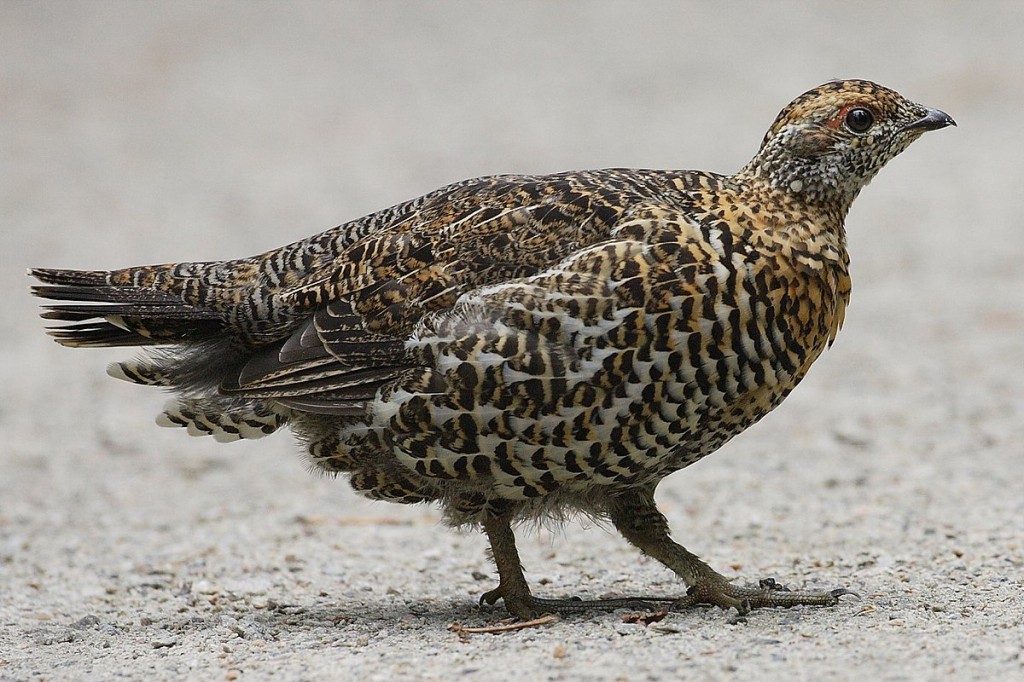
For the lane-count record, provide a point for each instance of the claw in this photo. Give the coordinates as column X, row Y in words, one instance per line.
column 490, row 597
column 842, row 591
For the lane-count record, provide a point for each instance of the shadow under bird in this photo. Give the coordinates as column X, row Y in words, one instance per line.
column 516, row 348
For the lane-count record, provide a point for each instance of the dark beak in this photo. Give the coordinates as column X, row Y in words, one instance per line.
column 933, row 119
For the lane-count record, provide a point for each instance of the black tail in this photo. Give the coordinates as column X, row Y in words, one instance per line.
column 101, row 312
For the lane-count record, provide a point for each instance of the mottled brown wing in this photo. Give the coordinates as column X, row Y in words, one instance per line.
column 331, row 365
column 368, row 301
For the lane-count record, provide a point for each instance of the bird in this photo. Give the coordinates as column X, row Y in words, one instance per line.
column 524, row 348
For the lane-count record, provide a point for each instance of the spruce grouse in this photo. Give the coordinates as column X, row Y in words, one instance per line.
column 525, row 347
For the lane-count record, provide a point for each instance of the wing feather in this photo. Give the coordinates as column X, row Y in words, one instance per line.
column 369, row 301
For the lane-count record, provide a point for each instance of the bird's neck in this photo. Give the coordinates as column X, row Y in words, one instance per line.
column 803, row 215
column 813, row 182
column 807, row 240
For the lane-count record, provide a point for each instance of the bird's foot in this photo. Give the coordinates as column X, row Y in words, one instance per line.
column 769, row 593
column 520, row 603
column 717, row 591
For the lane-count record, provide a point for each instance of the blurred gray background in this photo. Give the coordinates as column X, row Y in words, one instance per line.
column 138, row 132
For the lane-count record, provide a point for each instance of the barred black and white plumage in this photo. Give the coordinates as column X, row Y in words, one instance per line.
column 519, row 346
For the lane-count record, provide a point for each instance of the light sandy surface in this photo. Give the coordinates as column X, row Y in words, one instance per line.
column 138, row 132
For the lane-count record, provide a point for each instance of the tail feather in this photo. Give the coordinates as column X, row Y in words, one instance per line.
column 180, row 307
column 142, row 372
column 102, row 313
column 96, row 335
column 70, row 277
column 78, row 312
column 235, row 378
column 223, row 419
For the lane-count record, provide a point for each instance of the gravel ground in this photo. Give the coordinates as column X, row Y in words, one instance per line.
column 137, row 133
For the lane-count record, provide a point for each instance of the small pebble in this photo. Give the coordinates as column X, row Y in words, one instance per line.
column 163, row 639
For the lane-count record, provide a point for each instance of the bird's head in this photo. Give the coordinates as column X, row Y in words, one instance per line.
column 830, row 141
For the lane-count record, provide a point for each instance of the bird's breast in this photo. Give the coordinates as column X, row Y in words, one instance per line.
column 731, row 345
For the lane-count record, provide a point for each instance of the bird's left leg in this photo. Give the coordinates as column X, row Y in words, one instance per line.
column 637, row 518
column 512, row 586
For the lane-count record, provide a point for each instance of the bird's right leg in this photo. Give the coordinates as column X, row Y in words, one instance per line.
column 637, row 518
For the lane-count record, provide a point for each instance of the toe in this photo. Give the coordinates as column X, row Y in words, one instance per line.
column 490, row 597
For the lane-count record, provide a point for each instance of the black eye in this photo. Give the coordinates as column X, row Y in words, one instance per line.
column 859, row 120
